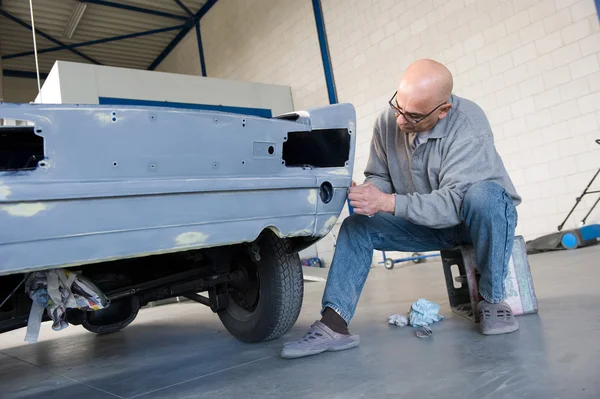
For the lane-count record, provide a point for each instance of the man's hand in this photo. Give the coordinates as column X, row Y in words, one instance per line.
column 366, row 199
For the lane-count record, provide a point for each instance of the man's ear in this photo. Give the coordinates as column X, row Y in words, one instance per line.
column 444, row 109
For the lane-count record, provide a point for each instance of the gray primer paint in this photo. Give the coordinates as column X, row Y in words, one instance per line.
column 121, row 182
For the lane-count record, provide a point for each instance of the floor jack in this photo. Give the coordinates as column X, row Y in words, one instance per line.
column 574, row 238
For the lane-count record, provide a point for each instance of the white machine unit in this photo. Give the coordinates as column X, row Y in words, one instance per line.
column 78, row 83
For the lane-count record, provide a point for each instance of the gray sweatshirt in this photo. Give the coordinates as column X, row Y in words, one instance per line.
column 430, row 182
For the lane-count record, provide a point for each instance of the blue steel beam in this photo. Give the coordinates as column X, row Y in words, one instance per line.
column 187, row 10
column 45, row 35
column 134, row 8
column 202, row 12
column 200, row 49
column 327, row 67
column 12, row 73
column 92, row 42
column 205, row 8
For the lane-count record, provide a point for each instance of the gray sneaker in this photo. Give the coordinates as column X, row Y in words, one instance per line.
column 496, row 318
column 319, row 339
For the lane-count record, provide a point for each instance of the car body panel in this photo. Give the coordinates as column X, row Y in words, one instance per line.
column 119, row 182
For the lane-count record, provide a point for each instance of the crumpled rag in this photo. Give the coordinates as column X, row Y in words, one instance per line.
column 56, row 290
column 422, row 313
column 399, row 320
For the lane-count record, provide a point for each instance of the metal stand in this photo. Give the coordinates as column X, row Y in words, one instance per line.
column 578, row 199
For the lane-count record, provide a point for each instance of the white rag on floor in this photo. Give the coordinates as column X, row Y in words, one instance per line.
column 422, row 313
column 399, row 320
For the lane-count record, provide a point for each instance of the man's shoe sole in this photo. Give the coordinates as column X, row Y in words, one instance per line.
column 299, row 354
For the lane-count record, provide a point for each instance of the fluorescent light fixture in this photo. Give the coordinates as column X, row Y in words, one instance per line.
column 74, row 19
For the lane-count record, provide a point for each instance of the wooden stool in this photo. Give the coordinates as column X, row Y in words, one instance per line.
column 464, row 296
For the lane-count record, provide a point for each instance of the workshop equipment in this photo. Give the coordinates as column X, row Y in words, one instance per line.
column 416, row 257
column 519, row 290
column 574, row 238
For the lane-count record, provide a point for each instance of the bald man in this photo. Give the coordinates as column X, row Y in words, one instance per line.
column 434, row 180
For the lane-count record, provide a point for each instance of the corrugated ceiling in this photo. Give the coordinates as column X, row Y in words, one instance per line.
column 98, row 22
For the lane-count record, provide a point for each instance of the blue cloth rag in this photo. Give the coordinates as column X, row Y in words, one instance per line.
column 424, row 312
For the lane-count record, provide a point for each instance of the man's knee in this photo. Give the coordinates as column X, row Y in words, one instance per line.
column 482, row 195
column 355, row 223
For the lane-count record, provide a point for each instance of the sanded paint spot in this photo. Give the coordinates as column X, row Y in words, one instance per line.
column 5, row 191
column 328, row 225
column 24, row 210
column 300, row 233
column 340, row 172
column 312, row 197
column 103, row 118
column 191, row 238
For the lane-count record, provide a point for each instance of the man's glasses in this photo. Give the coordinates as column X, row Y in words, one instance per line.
column 412, row 120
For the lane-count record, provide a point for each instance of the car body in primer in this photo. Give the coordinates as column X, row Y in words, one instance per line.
column 91, row 184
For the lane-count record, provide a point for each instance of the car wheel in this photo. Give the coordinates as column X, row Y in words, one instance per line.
column 265, row 301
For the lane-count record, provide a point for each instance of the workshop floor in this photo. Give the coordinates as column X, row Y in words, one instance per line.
column 182, row 351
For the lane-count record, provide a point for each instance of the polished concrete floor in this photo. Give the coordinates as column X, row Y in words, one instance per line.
column 182, row 351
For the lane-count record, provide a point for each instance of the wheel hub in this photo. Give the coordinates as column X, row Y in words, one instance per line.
column 244, row 291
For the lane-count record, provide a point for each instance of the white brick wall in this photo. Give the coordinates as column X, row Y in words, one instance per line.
column 262, row 41
column 535, row 70
column 533, row 65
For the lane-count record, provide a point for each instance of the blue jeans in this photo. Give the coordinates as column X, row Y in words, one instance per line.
column 489, row 220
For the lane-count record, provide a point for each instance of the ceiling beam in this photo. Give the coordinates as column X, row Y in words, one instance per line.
column 12, row 73
column 180, row 4
column 134, row 8
column 92, row 42
column 188, row 26
column 46, row 36
column 200, row 49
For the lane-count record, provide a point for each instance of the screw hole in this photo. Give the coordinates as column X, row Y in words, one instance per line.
column 39, row 130
column 115, row 164
column 114, row 119
column 153, row 166
column 114, row 113
column 283, row 162
column 243, row 125
column 271, row 150
column 243, row 162
column 43, row 164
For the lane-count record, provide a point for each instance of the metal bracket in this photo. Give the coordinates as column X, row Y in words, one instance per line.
column 218, row 298
column 255, row 252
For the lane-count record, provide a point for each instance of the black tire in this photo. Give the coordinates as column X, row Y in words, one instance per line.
column 420, row 260
column 389, row 263
column 279, row 293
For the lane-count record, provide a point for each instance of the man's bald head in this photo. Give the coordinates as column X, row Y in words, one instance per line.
column 430, row 78
column 424, row 85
